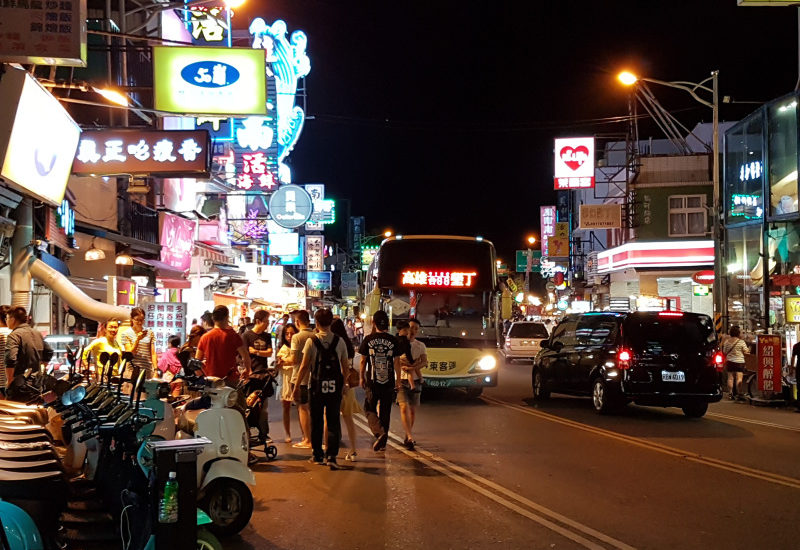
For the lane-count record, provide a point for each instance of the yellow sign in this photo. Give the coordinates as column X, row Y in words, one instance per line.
column 558, row 247
column 562, row 231
column 600, row 216
column 792, row 308
column 209, row 81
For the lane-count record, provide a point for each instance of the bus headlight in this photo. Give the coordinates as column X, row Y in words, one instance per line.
column 487, row 362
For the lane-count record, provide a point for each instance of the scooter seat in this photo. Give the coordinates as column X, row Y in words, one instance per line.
column 10, row 476
column 21, row 455
column 30, row 465
column 15, row 437
column 21, row 428
column 38, row 416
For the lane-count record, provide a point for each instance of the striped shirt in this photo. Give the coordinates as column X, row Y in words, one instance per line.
column 4, row 331
column 142, row 357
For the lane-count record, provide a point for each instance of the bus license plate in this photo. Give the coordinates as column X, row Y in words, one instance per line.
column 668, row 376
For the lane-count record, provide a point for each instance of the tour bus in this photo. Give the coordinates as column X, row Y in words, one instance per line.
column 449, row 284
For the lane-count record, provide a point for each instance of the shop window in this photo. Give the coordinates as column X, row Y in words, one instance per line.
column 744, row 170
column 745, row 275
column 687, row 216
column 782, row 140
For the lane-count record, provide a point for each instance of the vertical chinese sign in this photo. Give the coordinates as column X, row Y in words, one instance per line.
column 166, row 320
column 769, row 362
column 547, row 226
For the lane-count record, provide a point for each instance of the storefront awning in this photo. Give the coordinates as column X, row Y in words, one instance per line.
column 666, row 254
column 230, row 272
column 163, row 271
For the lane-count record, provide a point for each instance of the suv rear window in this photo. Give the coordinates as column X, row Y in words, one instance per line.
column 528, row 330
column 656, row 334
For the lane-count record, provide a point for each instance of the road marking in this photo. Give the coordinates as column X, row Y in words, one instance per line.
column 757, row 422
column 658, row 447
column 509, row 499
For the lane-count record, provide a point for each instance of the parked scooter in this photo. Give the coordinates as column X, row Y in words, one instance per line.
column 222, row 473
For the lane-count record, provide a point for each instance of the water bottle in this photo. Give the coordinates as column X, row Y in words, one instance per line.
column 168, row 507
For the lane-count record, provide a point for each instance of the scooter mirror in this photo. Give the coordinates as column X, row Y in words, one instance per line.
column 77, row 394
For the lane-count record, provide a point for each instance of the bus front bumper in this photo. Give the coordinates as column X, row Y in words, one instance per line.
column 484, row 379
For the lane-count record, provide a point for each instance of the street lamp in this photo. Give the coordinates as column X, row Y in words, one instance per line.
column 693, row 88
column 529, row 264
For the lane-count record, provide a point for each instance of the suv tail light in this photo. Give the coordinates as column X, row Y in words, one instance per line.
column 670, row 314
column 624, row 357
column 719, row 360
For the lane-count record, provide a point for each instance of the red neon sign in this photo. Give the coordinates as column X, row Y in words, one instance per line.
column 440, row 279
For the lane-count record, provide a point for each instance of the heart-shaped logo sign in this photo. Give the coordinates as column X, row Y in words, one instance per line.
column 574, row 157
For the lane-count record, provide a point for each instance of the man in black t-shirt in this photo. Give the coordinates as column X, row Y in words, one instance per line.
column 259, row 344
column 380, row 377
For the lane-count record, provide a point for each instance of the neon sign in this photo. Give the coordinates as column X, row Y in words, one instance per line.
column 443, row 279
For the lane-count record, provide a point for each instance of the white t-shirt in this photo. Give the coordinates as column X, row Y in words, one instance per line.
column 418, row 349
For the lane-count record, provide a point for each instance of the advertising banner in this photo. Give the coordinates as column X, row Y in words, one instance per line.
column 146, row 152
column 318, row 280
column 38, row 138
column 574, row 163
column 350, row 286
column 314, row 252
column 209, row 81
column 600, row 216
column 165, row 320
column 547, row 225
column 177, row 241
column 44, row 32
column 769, row 362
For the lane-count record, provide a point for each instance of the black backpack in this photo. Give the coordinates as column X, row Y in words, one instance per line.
column 326, row 373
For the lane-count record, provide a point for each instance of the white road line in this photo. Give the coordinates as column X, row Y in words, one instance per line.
column 482, row 486
column 691, row 456
column 752, row 421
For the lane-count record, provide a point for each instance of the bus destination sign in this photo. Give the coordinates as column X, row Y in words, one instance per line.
column 438, row 279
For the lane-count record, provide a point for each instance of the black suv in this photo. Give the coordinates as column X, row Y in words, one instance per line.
column 666, row 358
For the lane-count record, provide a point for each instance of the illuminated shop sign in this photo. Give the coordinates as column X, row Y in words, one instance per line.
column 547, row 226
column 368, row 254
column 751, row 171
column 656, row 254
column 209, row 81
column 574, row 163
column 177, row 241
column 289, row 63
column 319, row 280
column 290, row 206
column 43, row 32
column 441, row 279
column 40, row 138
column 746, row 206
column 209, row 25
column 154, row 152
column 315, row 252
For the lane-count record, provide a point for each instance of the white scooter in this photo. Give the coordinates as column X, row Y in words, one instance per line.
column 222, row 473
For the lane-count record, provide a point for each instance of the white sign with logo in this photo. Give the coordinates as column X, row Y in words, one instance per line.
column 574, row 163
column 290, row 206
column 42, row 138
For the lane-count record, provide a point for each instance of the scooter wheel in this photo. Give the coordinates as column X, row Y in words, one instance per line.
column 271, row 452
column 229, row 504
column 207, row 541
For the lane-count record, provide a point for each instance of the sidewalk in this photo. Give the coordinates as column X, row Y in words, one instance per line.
column 783, row 416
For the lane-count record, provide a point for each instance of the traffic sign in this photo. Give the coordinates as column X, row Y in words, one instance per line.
column 522, row 261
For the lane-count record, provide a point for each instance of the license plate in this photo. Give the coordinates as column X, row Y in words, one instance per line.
column 668, row 376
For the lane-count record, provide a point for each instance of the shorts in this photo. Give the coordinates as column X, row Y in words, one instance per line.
column 730, row 366
column 303, row 400
column 350, row 405
column 407, row 395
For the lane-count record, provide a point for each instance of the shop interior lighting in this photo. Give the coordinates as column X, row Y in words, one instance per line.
column 788, row 106
column 124, row 259
column 94, row 254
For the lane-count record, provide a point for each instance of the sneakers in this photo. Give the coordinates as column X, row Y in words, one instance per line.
column 332, row 464
column 317, row 461
column 351, row 456
column 380, row 443
column 408, row 443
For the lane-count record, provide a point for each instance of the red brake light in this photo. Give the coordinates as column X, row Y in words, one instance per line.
column 624, row 359
column 670, row 314
column 719, row 360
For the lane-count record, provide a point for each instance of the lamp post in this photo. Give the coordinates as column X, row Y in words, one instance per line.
column 529, row 264
column 693, row 88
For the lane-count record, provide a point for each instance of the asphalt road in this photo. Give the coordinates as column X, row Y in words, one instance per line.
column 501, row 472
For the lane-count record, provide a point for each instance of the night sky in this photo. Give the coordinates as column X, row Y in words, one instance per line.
column 438, row 116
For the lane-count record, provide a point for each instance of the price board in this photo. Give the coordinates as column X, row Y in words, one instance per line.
column 769, row 362
column 165, row 320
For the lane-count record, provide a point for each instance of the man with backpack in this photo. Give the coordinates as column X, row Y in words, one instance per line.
column 325, row 356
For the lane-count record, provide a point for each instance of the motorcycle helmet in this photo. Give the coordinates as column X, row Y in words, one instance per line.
column 18, row 529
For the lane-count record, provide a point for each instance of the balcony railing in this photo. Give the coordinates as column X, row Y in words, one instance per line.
column 140, row 223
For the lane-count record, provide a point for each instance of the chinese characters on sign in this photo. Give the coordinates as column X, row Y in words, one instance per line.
column 109, row 152
column 166, row 320
column 746, row 206
column 441, row 366
column 547, row 226
column 445, row 279
column 177, row 241
column 209, row 26
column 574, row 163
column 769, row 362
column 314, row 256
column 43, row 32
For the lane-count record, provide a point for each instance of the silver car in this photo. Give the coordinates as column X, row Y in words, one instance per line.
column 523, row 340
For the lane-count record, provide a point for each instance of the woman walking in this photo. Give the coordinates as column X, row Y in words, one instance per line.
column 285, row 362
column 349, row 405
column 735, row 349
